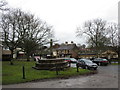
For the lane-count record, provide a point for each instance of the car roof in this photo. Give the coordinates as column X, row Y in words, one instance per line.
column 84, row 59
column 100, row 59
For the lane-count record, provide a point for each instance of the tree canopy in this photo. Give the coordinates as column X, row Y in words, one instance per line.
column 22, row 29
column 99, row 33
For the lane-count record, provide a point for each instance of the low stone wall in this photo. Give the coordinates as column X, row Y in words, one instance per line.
column 51, row 64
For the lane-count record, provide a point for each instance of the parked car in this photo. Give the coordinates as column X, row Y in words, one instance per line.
column 87, row 64
column 101, row 61
column 71, row 60
column 67, row 60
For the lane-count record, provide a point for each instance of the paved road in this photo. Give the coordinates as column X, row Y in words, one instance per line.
column 107, row 77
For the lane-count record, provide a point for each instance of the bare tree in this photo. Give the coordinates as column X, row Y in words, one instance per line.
column 113, row 33
column 114, row 37
column 101, row 34
column 24, row 30
column 9, row 28
column 96, row 32
column 34, row 33
column 3, row 5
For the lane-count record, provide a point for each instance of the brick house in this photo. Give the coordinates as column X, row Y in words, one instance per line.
column 6, row 55
column 109, row 54
column 66, row 50
column 86, row 53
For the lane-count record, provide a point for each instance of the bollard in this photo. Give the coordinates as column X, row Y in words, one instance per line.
column 23, row 69
column 77, row 67
column 69, row 64
column 56, row 70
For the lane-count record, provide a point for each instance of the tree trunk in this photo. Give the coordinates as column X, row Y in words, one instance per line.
column 28, row 59
column 96, row 52
column 11, row 58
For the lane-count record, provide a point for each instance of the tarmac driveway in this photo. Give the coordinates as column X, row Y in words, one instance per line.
column 107, row 77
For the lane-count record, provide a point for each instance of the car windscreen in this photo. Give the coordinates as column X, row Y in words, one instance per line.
column 82, row 59
column 72, row 59
column 67, row 59
column 104, row 59
column 88, row 61
column 100, row 59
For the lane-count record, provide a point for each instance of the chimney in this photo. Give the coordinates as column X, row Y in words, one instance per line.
column 51, row 43
column 66, row 43
column 72, row 42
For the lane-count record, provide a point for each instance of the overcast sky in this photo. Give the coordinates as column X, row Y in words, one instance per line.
column 66, row 15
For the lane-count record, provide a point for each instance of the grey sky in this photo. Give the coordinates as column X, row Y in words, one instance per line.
column 66, row 15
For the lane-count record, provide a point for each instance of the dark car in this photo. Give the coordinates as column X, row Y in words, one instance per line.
column 100, row 61
column 87, row 64
column 71, row 60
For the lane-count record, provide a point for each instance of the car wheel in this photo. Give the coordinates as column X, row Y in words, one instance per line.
column 84, row 67
column 95, row 68
column 97, row 64
column 88, row 68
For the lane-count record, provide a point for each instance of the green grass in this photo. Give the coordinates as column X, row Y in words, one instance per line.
column 0, row 72
column 12, row 74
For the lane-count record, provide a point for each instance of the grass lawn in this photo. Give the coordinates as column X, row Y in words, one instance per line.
column 12, row 74
column 0, row 72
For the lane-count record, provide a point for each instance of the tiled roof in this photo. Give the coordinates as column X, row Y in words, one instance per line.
column 67, row 47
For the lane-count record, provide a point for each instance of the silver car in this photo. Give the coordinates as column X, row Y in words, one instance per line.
column 87, row 64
